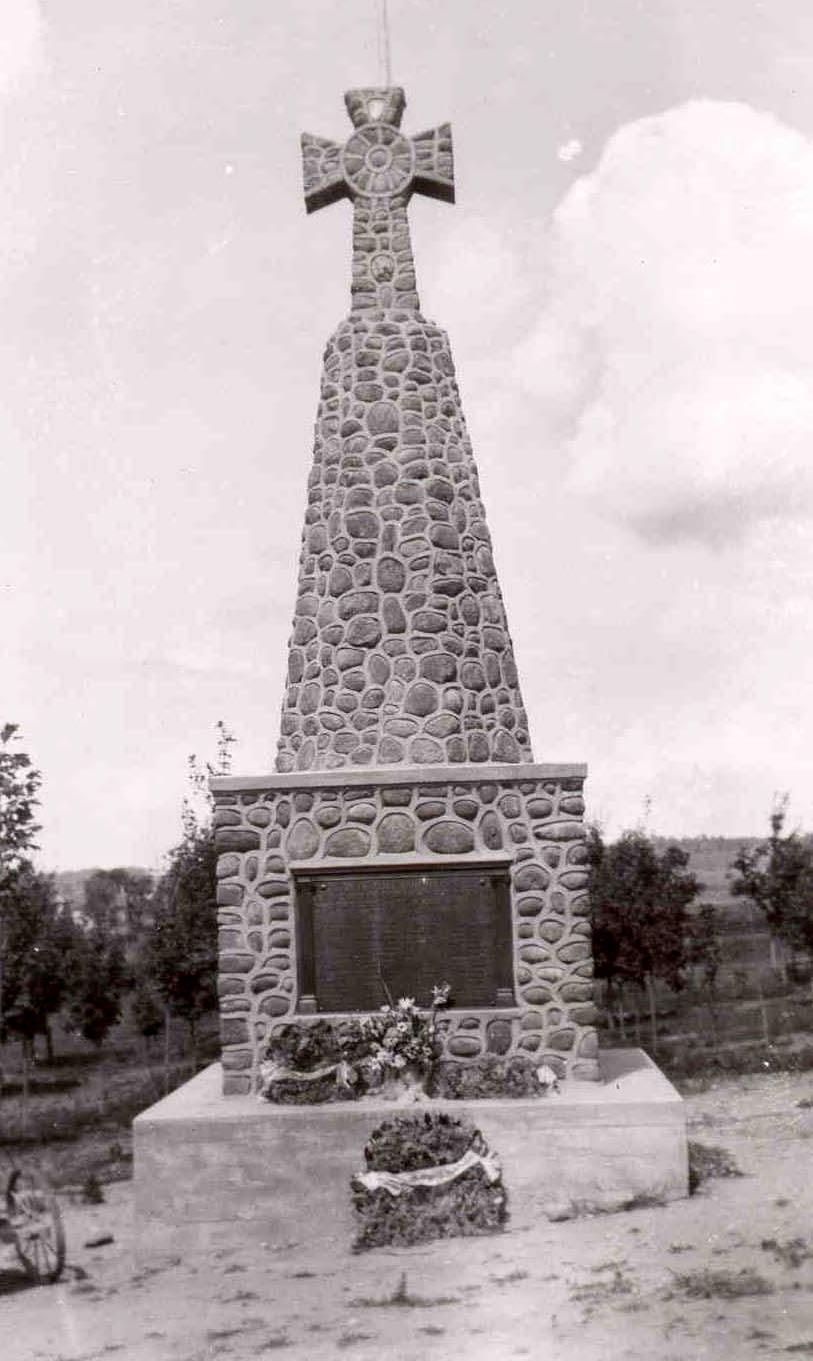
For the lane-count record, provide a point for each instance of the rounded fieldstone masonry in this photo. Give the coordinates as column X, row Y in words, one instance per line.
column 416, row 816
column 396, row 557
column 403, row 736
column 423, row 545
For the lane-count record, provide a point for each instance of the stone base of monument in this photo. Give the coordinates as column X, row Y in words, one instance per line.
column 214, row 1170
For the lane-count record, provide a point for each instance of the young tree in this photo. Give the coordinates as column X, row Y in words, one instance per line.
column 705, row 953
column 639, row 899
column 40, row 936
column 146, row 1011
column 99, row 978
column 19, row 784
column 777, row 875
column 180, row 954
column 181, row 950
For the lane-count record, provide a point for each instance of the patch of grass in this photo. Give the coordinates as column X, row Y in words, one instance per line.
column 790, row 1254
column 695, row 1070
column 108, row 1096
column 642, row 1200
column 47, row 1086
column 76, row 1122
column 510, row 1278
column 402, row 1299
column 139, row 1277
column 274, row 1343
column 679, row 1247
column 350, row 1339
column 805, row 1104
column 578, row 1209
column 801, row 1348
column 722, row 1285
column 432, row 1330
column 707, row 1161
column 596, row 1292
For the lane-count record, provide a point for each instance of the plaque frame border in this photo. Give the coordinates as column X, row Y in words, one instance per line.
column 305, row 875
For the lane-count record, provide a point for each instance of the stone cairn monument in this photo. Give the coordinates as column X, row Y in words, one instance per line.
column 406, row 838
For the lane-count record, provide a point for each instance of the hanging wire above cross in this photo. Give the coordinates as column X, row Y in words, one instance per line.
column 383, row 30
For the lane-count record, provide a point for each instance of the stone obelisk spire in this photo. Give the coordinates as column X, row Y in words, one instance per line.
column 400, row 651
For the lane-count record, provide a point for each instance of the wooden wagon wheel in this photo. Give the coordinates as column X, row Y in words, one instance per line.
column 36, row 1221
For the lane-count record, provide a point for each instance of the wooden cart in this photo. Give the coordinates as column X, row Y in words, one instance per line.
column 31, row 1222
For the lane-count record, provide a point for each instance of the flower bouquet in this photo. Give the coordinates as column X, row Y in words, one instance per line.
column 389, row 1053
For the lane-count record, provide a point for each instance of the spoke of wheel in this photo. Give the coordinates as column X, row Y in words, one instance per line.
column 36, row 1225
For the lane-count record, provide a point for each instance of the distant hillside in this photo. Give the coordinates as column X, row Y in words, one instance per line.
column 711, row 858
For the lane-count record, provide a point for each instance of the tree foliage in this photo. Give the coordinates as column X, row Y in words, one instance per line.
column 181, row 951
column 179, row 960
column 642, row 929
column 777, row 876
column 19, row 784
column 40, row 939
column 639, row 898
column 98, row 980
column 704, row 944
column 117, row 902
column 146, row 1009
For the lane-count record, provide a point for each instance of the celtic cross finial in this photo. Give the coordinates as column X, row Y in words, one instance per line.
column 379, row 168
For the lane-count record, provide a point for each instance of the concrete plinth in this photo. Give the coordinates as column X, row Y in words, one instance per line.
column 227, row 1170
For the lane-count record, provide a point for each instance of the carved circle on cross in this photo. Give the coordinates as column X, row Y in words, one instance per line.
column 377, row 161
column 382, row 266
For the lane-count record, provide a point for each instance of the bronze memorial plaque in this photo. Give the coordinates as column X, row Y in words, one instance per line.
column 411, row 928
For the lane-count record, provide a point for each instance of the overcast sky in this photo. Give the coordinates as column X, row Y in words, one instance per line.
column 626, row 279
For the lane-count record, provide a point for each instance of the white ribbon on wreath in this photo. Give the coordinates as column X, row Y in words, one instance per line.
column 396, row 1182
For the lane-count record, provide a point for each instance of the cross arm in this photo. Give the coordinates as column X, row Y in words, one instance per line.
column 321, row 171
column 434, row 163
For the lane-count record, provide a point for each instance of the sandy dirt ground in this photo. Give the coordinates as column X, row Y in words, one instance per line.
column 727, row 1273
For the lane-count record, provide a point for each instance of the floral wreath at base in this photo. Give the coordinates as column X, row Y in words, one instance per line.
column 341, row 1060
column 394, row 1052
column 427, row 1176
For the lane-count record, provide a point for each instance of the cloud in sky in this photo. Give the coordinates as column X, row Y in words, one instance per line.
column 674, row 358
column 568, row 151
